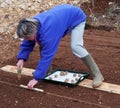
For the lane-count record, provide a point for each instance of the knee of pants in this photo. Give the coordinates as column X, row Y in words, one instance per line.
column 79, row 50
column 76, row 47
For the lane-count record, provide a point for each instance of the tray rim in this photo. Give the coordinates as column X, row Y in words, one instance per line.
column 85, row 75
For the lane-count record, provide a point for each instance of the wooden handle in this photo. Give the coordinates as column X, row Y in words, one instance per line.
column 34, row 89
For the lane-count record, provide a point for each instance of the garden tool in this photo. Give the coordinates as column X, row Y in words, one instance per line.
column 34, row 89
column 19, row 73
column 92, row 66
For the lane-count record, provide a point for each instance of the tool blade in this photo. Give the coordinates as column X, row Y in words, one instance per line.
column 19, row 73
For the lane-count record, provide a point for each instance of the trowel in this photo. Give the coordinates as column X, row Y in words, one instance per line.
column 19, row 73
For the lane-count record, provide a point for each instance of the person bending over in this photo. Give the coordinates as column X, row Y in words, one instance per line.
column 47, row 29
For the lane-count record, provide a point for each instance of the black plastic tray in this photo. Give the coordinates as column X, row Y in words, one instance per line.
column 55, row 77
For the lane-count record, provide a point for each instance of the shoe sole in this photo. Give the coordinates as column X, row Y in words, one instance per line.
column 99, row 84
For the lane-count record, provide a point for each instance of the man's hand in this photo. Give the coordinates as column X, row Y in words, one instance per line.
column 32, row 83
column 20, row 63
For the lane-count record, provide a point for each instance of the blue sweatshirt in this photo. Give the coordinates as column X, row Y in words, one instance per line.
column 54, row 24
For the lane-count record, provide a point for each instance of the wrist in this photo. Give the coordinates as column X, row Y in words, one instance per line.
column 22, row 59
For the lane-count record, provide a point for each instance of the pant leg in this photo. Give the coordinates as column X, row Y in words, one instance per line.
column 77, row 41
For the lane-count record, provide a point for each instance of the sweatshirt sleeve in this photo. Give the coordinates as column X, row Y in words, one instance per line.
column 49, row 48
column 26, row 48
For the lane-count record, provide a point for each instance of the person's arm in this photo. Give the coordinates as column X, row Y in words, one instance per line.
column 49, row 49
column 26, row 48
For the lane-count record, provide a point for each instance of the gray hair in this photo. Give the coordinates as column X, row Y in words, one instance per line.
column 27, row 27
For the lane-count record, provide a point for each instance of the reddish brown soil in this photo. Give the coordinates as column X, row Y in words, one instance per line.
column 105, row 48
column 103, row 45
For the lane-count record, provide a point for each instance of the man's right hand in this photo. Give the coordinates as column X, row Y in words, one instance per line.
column 20, row 63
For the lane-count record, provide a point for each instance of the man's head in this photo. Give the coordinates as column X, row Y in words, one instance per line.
column 27, row 28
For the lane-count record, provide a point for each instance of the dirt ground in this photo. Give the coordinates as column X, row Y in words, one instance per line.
column 103, row 45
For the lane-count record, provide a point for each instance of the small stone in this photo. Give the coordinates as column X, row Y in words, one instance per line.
column 55, row 76
column 50, row 78
column 72, row 81
column 62, row 73
column 66, row 80
column 16, row 101
column 74, row 75
column 79, row 75
column 76, row 79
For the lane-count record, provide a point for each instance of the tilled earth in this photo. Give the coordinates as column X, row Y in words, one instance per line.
column 105, row 48
column 103, row 45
